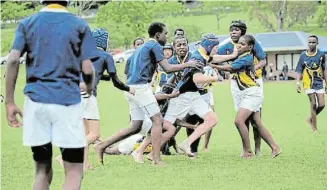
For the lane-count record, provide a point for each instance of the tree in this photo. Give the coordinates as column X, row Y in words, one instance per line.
column 14, row 11
column 127, row 19
column 83, row 6
column 282, row 15
column 322, row 15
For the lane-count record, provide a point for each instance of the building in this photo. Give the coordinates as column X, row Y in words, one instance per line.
column 281, row 47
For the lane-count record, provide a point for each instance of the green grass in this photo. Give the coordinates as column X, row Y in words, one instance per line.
column 302, row 164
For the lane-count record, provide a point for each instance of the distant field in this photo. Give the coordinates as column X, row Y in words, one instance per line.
column 301, row 166
column 206, row 23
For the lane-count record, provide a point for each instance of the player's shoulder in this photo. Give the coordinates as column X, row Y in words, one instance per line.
column 320, row 53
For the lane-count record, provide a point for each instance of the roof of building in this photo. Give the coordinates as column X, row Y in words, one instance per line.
column 280, row 41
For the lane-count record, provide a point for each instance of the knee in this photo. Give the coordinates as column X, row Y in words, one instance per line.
column 238, row 122
column 156, row 120
column 211, row 119
column 136, row 126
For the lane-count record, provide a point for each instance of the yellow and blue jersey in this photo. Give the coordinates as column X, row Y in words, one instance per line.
column 244, row 73
column 174, row 60
column 312, row 68
column 258, row 54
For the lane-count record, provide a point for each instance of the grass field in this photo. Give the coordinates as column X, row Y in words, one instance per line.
column 302, row 165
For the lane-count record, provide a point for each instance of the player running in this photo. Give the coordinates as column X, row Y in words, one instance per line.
column 311, row 68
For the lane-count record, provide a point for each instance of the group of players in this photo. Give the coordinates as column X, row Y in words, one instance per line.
column 66, row 60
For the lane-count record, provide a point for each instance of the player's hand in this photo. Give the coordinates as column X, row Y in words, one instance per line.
column 194, row 64
column 132, row 91
column 174, row 94
column 298, row 88
column 235, row 52
column 12, row 111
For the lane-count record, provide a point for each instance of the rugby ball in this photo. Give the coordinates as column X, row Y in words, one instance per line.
column 208, row 71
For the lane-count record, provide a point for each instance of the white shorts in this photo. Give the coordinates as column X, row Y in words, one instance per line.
column 311, row 91
column 126, row 146
column 260, row 83
column 58, row 124
column 143, row 103
column 236, row 94
column 189, row 102
column 90, row 108
column 208, row 97
column 251, row 99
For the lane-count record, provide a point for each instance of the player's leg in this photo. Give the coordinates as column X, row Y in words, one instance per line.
column 210, row 119
column 321, row 102
column 194, row 120
column 37, row 135
column 43, row 166
column 256, row 135
column 112, row 150
column 312, row 120
column 208, row 134
column 266, row 136
column 240, row 119
column 68, row 133
column 138, row 153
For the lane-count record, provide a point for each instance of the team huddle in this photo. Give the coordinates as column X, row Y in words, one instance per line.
column 66, row 61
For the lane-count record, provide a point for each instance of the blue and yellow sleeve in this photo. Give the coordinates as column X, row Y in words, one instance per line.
column 300, row 65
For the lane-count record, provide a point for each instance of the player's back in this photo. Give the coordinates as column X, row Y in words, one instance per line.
column 54, row 40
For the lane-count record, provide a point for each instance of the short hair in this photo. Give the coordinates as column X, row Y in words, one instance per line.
column 179, row 29
column 62, row 3
column 155, row 27
column 179, row 37
column 138, row 38
column 314, row 36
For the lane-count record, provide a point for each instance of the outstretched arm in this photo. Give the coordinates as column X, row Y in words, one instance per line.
column 118, row 83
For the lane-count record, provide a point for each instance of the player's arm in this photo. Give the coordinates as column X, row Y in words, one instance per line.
column 184, row 124
column 324, row 68
column 199, row 78
column 222, row 67
column 222, row 58
column 111, row 69
column 168, row 68
column 88, row 74
column 299, row 71
column 18, row 48
column 260, row 55
column 163, row 96
column 12, row 68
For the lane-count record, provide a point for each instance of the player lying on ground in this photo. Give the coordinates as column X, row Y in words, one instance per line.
column 251, row 98
column 312, row 69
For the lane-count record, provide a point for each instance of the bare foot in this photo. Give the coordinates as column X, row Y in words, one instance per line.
column 149, row 156
column 247, row 154
column 313, row 128
column 195, row 156
column 186, row 149
column 60, row 161
column 99, row 151
column 205, row 149
column 158, row 163
column 276, row 152
column 138, row 158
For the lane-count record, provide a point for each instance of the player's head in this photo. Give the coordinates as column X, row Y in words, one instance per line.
column 180, row 44
column 237, row 29
column 137, row 42
column 168, row 51
column 158, row 31
column 60, row 2
column 208, row 42
column 245, row 44
column 313, row 42
column 101, row 37
column 179, row 32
